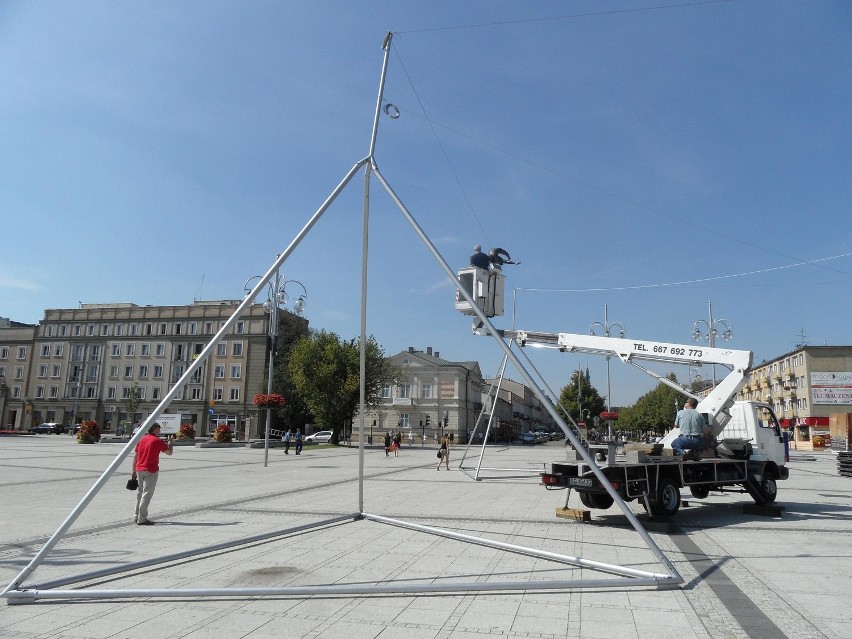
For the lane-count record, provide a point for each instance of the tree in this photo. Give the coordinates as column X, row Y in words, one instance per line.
column 295, row 412
column 326, row 373
column 134, row 398
column 579, row 394
column 654, row 411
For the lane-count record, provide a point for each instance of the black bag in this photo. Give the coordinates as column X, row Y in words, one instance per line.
column 440, row 453
column 132, row 483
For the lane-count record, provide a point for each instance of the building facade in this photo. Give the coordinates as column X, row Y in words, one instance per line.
column 434, row 396
column 804, row 387
column 516, row 410
column 89, row 362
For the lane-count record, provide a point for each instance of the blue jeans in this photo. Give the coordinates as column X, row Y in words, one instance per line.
column 691, row 442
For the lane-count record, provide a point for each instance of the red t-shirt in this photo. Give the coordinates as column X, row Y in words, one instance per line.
column 148, row 453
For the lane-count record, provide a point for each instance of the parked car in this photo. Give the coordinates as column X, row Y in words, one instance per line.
column 48, row 428
column 529, row 437
column 321, row 437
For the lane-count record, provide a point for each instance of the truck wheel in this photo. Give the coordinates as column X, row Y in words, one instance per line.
column 768, row 488
column 667, row 502
column 591, row 500
column 699, row 492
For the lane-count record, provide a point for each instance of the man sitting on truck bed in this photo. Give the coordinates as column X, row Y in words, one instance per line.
column 691, row 424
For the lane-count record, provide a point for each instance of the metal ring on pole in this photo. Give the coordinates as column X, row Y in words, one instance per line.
column 391, row 111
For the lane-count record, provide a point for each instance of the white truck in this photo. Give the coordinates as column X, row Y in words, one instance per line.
column 749, row 454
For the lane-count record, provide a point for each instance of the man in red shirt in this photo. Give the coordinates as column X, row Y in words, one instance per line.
column 146, row 466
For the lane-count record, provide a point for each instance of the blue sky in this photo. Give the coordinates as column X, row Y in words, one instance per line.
column 651, row 158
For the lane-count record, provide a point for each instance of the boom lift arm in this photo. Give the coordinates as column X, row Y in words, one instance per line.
column 715, row 406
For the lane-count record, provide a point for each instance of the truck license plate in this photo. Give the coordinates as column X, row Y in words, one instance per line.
column 579, row 481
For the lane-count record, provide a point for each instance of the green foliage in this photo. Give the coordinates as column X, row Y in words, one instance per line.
column 134, row 398
column 579, row 394
column 326, row 373
column 654, row 411
column 295, row 412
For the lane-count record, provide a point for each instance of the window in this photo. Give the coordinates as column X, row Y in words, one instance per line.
column 221, row 349
column 58, row 350
column 50, row 330
column 155, row 392
column 145, row 350
column 130, row 349
column 178, row 328
column 196, row 376
column 125, row 392
column 56, row 370
column 158, row 371
column 236, row 371
column 63, row 330
column 77, row 352
column 178, row 373
column 119, row 329
column 217, row 394
column 385, row 392
column 403, row 390
column 149, row 329
column 76, row 330
column 90, row 392
column 128, row 371
column 403, row 420
column 113, row 371
column 4, row 352
column 2, row 371
column 195, row 393
column 92, row 374
column 241, row 328
column 160, row 350
column 193, row 328
column 237, row 349
column 42, row 370
column 45, row 350
column 110, row 392
column 116, row 350
column 54, row 392
column 234, row 393
column 22, row 352
column 39, row 392
column 208, row 328
column 163, row 328
column 16, row 392
column 19, row 372
column 96, row 352
column 179, row 352
column 105, row 330
column 90, row 330
column 219, row 371
column 142, row 391
column 133, row 329
column 143, row 371
column 426, row 391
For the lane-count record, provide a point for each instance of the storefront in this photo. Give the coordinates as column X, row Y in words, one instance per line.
column 807, row 433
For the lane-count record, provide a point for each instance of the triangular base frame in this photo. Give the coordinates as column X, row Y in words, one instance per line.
column 17, row 592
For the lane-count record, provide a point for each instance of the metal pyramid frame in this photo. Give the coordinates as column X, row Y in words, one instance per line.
column 18, row 592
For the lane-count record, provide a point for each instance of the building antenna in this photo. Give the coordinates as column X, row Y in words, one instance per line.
column 802, row 341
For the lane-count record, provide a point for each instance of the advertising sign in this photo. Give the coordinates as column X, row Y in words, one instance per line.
column 169, row 424
column 831, row 387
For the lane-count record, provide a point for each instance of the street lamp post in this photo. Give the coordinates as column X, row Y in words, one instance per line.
column 276, row 295
column 711, row 327
column 607, row 327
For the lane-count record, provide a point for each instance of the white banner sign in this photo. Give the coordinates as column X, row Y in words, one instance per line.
column 831, row 387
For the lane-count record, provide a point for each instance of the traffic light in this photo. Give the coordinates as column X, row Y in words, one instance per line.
column 427, row 421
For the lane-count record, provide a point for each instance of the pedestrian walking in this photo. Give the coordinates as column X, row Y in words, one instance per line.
column 410, row 438
column 397, row 442
column 444, row 453
column 288, row 437
column 387, row 443
column 146, row 469
column 298, row 441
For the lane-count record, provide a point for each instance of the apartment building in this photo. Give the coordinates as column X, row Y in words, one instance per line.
column 87, row 362
column 16, row 343
column 804, row 387
column 516, row 410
